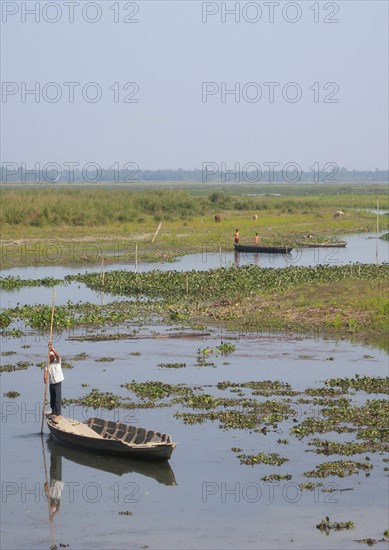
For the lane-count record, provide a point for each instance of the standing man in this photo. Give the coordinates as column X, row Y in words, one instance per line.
column 256, row 239
column 236, row 236
column 55, row 376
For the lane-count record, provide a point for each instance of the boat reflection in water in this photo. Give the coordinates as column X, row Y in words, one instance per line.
column 161, row 470
column 248, row 258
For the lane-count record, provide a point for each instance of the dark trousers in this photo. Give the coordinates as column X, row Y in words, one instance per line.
column 55, row 398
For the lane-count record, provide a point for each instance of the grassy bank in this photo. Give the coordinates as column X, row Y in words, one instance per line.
column 343, row 301
column 76, row 226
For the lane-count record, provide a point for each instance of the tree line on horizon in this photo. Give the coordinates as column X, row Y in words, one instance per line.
column 27, row 175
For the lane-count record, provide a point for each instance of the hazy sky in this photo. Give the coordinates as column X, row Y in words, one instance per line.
column 325, row 99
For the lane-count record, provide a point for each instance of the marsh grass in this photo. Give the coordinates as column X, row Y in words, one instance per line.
column 81, row 226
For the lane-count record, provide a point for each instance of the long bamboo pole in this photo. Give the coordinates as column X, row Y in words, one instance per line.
column 48, row 360
column 47, row 484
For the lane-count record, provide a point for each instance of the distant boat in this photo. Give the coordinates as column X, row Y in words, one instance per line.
column 265, row 249
column 329, row 244
column 107, row 436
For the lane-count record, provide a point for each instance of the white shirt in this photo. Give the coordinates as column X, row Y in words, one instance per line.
column 55, row 372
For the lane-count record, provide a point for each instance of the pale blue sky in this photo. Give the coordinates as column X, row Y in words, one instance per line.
column 169, row 53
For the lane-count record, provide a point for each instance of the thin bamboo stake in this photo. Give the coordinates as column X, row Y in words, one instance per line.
column 102, row 280
column 48, row 361
column 136, row 258
column 102, row 271
column 157, row 231
column 377, row 229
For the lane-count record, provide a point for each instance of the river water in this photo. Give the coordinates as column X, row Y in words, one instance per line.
column 362, row 248
column 203, row 498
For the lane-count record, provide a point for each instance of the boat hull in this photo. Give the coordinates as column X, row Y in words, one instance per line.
column 262, row 249
column 149, row 451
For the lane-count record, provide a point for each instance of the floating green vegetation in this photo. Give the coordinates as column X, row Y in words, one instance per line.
column 309, row 486
column 336, row 489
column 125, row 513
column 20, row 365
column 326, row 526
column 201, row 357
column 12, row 333
column 261, row 387
column 236, row 449
column 311, row 425
column 5, row 320
column 172, row 365
column 105, row 359
column 276, row 477
column 370, row 541
column 369, row 384
column 96, row 400
column 206, row 401
column 225, row 348
column 283, row 441
column 246, row 414
column 372, row 418
column 339, row 468
column 189, row 418
column 325, row 392
column 135, row 353
column 80, row 356
column 11, row 394
column 274, row 459
column 385, row 237
column 155, row 390
column 107, row 400
column 10, row 283
column 25, row 346
column 6, row 353
column 217, row 283
column 83, row 314
column 349, row 448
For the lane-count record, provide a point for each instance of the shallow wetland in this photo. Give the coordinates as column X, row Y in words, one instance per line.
column 282, row 435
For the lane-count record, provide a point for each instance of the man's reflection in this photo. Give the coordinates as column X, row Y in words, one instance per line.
column 247, row 257
column 236, row 258
column 54, row 489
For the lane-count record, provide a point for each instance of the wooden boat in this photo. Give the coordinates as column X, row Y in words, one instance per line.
column 97, row 434
column 264, row 249
column 330, row 244
column 118, row 465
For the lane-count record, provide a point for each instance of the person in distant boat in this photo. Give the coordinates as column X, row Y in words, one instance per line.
column 53, row 374
column 256, row 239
column 236, row 236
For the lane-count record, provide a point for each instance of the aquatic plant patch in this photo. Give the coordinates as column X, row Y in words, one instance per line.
column 273, row 459
column 326, row 525
column 338, row 468
column 20, row 365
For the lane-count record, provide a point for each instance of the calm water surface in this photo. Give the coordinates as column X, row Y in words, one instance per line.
column 360, row 248
column 203, row 498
